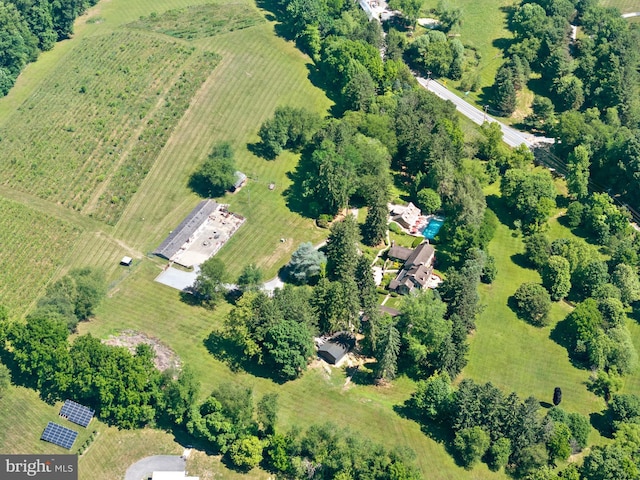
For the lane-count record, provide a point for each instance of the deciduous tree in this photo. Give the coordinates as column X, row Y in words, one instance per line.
column 209, row 284
column 533, row 303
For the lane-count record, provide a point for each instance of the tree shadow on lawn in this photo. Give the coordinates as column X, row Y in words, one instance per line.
column 362, row 374
column 602, row 422
column 563, row 335
column 496, row 204
column 279, row 15
column 520, row 259
column 438, row 432
column 259, row 150
column 234, row 356
column 293, row 194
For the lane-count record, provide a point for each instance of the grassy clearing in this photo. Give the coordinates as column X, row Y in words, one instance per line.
column 199, row 21
column 514, row 355
column 24, row 417
column 624, row 6
column 34, row 246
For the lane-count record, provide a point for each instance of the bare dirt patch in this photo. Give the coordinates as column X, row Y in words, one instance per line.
column 165, row 357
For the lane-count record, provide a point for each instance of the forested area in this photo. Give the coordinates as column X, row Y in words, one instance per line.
column 28, row 27
column 586, row 87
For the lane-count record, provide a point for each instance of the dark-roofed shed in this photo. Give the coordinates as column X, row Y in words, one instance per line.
column 187, row 227
column 334, row 349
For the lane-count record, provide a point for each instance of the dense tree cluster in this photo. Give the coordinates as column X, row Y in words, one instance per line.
column 345, row 47
column 530, row 196
column 73, row 298
column 485, row 424
column 275, row 331
column 290, row 128
column 230, row 422
column 435, row 53
column 217, row 174
column 599, row 337
column 589, row 90
column 124, row 389
column 595, row 333
column 341, row 166
column 30, row 26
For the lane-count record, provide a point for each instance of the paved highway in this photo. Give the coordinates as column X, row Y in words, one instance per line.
column 511, row 136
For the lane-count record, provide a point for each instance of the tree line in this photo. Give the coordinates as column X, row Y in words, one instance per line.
column 482, row 423
column 28, row 27
column 231, row 424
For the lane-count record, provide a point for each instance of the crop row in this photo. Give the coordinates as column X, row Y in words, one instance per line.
column 68, row 137
column 150, row 142
column 32, row 247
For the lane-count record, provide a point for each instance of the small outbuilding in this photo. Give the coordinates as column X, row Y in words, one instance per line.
column 240, row 181
column 126, row 261
column 335, row 348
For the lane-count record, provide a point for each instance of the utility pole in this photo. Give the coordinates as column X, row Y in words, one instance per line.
column 486, row 107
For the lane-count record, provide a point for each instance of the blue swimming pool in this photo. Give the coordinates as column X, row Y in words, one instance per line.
column 432, row 228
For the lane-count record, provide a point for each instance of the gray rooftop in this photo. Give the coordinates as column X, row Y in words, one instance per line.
column 187, row 227
column 401, row 253
column 421, row 255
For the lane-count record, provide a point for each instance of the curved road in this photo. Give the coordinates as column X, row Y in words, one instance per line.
column 511, row 136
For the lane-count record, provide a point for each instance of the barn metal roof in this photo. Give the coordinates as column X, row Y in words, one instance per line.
column 187, row 227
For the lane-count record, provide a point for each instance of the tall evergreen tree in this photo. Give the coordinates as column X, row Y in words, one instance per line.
column 375, row 226
column 505, row 91
column 366, row 285
column 342, row 251
column 387, row 353
column 578, row 174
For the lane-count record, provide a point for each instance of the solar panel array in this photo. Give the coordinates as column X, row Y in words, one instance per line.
column 76, row 413
column 59, row 435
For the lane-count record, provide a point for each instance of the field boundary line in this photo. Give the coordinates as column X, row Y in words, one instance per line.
column 149, row 177
column 144, row 123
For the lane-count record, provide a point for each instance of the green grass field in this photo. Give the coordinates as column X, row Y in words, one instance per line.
column 126, row 92
column 34, row 247
column 624, row 6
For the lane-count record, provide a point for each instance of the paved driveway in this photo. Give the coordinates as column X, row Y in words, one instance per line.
column 143, row 469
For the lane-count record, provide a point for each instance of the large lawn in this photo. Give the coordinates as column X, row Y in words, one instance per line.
column 255, row 71
column 623, row 5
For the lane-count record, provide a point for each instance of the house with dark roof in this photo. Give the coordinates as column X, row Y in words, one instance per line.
column 398, row 253
column 335, row 348
column 416, row 271
column 170, row 246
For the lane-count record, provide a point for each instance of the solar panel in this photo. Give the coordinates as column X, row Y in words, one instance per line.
column 76, row 413
column 59, row 435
